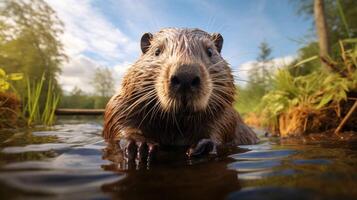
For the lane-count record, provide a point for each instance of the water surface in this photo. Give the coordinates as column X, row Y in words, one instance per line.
column 71, row 161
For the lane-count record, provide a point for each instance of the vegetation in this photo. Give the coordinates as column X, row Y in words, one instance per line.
column 31, row 112
column 259, row 79
column 6, row 78
column 9, row 102
column 32, row 107
column 103, row 84
column 305, row 97
column 79, row 99
column 303, row 103
column 319, row 86
column 30, row 44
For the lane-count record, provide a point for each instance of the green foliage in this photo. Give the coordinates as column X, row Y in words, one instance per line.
column 78, row 99
column 52, row 100
column 316, row 90
column 307, row 60
column 248, row 99
column 6, row 78
column 31, row 45
column 103, row 83
column 341, row 17
column 32, row 110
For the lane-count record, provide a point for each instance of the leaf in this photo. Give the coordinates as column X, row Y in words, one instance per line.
column 350, row 40
column 15, row 76
column 306, row 60
column 4, row 85
column 325, row 100
column 2, row 73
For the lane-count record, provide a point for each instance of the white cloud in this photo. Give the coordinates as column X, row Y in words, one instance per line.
column 90, row 40
column 241, row 72
column 86, row 29
column 80, row 72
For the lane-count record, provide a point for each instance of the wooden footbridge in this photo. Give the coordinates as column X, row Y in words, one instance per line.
column 70, row 111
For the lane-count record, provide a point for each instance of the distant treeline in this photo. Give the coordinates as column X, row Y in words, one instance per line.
column 78, row 99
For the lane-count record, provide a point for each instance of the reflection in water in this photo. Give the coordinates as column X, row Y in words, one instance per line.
column 170, row 176
column 73, row 162
column 176, row 182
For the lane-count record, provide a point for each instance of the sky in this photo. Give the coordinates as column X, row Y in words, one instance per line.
column 106, row 33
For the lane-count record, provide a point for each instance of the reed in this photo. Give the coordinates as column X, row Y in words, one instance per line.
column 32, row 110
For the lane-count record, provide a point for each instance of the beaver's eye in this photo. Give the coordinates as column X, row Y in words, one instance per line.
column 209, row 52
column 157, row 51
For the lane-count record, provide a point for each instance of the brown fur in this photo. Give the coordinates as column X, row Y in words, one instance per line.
column 145, row 108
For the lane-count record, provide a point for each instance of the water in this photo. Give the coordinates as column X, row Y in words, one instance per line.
column 72, row 161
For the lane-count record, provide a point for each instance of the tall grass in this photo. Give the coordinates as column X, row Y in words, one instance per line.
column 52, row 100
column 32, row 110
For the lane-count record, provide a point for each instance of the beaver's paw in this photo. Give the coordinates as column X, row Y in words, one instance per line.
column 203, row 147
column 138, row 150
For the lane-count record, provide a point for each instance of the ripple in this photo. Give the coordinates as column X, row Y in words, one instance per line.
column 262, row 155
column 246, row 166
column 74, row 134
column 260, row 146
column 266, row 174
column 36, row 148
column 59, row 181
column 75, row 158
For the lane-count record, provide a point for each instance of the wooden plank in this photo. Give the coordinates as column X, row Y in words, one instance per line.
column 72, row 111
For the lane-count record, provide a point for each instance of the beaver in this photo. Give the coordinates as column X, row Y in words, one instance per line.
column 180, row 92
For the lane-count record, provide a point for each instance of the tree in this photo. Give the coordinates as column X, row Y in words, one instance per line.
column 259, row 74
column 77, row 99
column 265, row 52
column 321, row 29
column 29, row 41
column 103, row 82
column 340, row 17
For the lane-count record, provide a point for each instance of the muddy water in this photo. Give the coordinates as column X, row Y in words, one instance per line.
column 70, row 161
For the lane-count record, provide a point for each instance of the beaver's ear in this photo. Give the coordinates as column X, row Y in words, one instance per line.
column 145, row 42
column 218, row 41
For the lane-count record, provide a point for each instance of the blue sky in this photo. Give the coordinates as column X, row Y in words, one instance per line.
column 106, row 33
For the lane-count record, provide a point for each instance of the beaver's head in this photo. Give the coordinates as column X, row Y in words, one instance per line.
column 187, row 69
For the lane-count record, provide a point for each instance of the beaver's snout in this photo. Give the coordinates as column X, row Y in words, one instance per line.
column 185, row 79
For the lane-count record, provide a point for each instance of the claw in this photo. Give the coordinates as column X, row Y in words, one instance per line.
column 152, row 151
column 131, row 150
column 142, row 151
column 203, row 147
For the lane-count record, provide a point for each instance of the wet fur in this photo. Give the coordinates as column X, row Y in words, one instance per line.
column 143, row 108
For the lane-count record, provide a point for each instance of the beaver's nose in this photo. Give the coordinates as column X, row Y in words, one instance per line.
column 185, row 81
column 186, row 77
